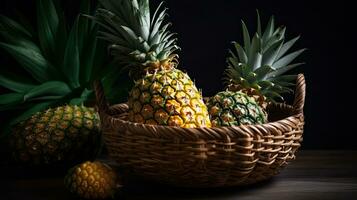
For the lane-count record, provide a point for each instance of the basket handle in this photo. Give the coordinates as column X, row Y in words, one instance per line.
column 102, row 102
column 300, row 92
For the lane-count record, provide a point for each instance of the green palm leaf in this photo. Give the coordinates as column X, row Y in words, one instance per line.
column 71, row 64
column 11, row 98
column 56, row 88
column 12, row 27
column 31, row 59
column 16, row 83
column 47, row 21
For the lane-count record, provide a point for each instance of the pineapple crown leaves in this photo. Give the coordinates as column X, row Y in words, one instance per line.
column 137, row 38
column 261, row 61
column 60, row 64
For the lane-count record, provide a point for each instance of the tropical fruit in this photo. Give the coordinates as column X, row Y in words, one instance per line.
column 256, row 72
column 92, row 180
column 162, row 94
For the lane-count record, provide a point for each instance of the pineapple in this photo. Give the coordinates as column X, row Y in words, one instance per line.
column 52, row 120
column 92, row 180
column 162, row 94
column 57, row 134
column 229, row 108
column 255, row 71
column 258, row 67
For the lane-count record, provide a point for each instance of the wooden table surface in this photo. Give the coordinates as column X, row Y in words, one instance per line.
column 313, row 175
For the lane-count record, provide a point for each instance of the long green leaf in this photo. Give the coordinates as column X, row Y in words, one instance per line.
column 279, row 36
column 262, row 72
column 71, row 64
column 284, row 78
column 259, row 25
column 241, row 53
column 46, row 98
column 257, row 61
column 286, row 46
column 254, row 50
column 87, row 56
column 49, row 88
column 12, row 27
column 47, row 22
column 31, row 60
column 16, row 83
column 270, row 55
column 284, row 69
column 282, row 83
column 246, row 37
column 61, row 37
column 269, row 30
column 284, row 61
column 83, row 26
column 98, row 64
column 11, row 98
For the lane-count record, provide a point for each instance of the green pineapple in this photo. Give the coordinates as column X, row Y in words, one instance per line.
column 229, row 108
column 256, row 69
column 53, row 99
column 162, row 94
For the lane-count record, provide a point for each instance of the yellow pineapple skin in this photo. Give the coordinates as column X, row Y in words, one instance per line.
column 58, row 135
column 92, row 180
column 167, row 97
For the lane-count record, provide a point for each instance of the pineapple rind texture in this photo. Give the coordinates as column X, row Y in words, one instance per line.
column 66, row 133
column 92, row 180
column 167, row 97
column 234, row 109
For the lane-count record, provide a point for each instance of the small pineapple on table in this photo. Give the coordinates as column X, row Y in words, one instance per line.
column 92, row 180
column 162, row 94
column 254, row 77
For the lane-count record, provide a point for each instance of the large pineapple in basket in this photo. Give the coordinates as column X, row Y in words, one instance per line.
column 49, row 122
column 162, row 94
column 255, row 70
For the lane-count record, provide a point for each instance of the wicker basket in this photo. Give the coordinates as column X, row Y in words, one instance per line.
column 205, row 157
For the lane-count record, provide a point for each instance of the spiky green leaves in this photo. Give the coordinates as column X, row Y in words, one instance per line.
column 260, row 63
column 136, row 37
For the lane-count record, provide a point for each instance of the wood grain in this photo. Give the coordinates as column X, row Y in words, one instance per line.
column 314, row 175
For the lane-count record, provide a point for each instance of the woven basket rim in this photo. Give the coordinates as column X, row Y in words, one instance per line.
column 201, row 132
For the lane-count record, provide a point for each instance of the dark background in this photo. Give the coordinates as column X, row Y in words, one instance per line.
column 205, row 29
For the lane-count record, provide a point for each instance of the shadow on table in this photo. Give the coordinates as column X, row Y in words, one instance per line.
column 141, row 189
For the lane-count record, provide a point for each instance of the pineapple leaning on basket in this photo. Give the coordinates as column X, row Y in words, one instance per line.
column 55, row 122
column 254, row 77
column 162, row 94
